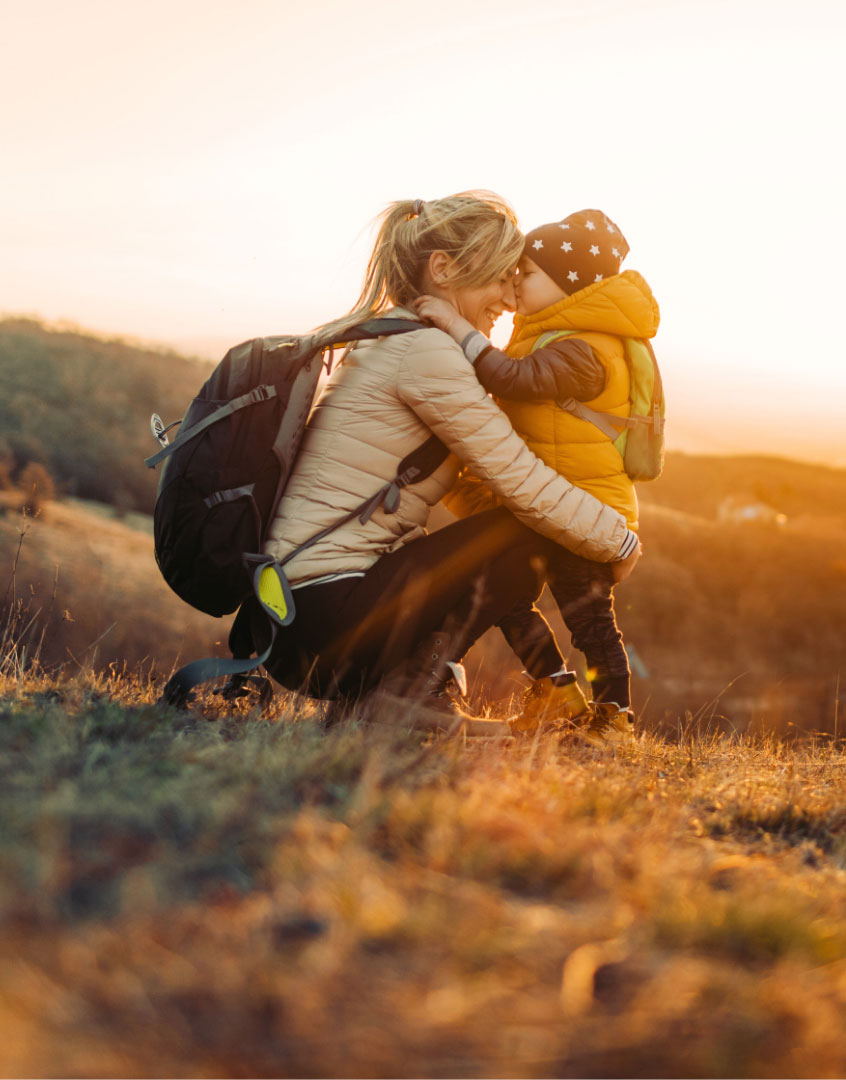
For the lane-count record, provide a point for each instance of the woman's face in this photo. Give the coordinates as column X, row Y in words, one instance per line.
column 482, row 305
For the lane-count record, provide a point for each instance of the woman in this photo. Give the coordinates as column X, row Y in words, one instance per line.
column 382, row 600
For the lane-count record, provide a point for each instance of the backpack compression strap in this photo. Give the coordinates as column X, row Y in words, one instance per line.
column 259, row 393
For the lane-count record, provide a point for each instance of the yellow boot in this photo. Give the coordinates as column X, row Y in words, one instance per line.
column 610, row 724
column 550, row 706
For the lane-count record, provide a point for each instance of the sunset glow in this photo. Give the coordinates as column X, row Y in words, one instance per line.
column 197, row 173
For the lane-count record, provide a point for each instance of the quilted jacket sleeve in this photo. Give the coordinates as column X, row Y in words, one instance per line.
column 563, row 369
column 439, row 384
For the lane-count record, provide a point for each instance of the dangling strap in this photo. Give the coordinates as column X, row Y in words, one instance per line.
column 274, row 594
column 180, row 685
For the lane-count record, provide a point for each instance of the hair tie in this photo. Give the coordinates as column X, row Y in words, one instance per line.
column 417, row 208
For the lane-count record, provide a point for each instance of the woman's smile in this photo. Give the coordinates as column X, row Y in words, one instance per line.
column 492, row 315
column 482, row 305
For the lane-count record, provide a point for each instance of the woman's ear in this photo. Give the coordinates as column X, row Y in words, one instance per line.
column 439, row 267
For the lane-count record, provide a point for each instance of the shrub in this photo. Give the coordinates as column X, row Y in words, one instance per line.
column 37, row 486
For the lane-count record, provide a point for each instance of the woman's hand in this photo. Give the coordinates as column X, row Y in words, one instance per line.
column 624, row 567
column 442, row 314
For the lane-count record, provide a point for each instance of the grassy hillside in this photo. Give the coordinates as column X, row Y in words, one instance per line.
column 220, row 894
column 81, row 406
column 740, row 625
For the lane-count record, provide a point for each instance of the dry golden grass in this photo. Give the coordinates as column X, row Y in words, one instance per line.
column 741, row 626
column 90, row 581
column 224, row 894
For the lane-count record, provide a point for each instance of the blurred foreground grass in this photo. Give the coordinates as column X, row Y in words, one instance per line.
column 217, row 893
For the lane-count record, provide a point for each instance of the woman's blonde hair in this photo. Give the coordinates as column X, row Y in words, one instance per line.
column 478, row 229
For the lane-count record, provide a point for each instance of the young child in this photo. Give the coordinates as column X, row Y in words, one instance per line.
column 568, row 279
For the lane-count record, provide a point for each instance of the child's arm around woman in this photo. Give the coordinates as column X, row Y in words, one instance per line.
column 566, row 368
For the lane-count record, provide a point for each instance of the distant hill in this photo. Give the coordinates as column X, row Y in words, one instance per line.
column 701, row 484
column 81, row 406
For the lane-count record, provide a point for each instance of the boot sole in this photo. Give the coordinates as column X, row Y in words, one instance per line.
column 417, row 716
column 612, row 738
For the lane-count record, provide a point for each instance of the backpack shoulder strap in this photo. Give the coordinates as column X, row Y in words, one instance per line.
column 414, row 467
column 550, row 336
column 640, row 349
column 372, row 328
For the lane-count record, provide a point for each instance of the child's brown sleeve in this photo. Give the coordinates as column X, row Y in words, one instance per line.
column 567, row 368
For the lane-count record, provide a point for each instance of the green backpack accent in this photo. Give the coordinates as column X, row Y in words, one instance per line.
column 639, row 437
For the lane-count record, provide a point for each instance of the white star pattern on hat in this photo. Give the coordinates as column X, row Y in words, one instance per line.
column 572, row 276
column 590, row 225
column 598, row 277
column 537, row 245
column 566, row 246
column 615, row 253
column 594, row 250
column 609, row 226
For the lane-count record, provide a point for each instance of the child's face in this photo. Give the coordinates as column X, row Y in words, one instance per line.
column 535, row 289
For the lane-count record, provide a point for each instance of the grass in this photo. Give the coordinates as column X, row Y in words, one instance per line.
column 225, row 893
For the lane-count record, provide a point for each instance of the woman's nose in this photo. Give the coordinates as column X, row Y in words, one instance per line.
column 509, row 296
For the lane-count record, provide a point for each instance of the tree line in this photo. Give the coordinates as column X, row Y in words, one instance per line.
column 79, row 406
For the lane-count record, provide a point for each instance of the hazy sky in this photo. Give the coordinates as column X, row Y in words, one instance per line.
column 197, row 171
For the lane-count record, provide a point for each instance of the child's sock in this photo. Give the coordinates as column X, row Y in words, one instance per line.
column 612, row 688
column 562, row 677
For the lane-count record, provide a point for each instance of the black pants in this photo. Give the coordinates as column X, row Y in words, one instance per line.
column 348, row 633
column 583, row 592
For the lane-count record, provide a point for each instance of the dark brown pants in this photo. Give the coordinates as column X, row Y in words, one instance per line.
column 349, row 633
column 583, row 592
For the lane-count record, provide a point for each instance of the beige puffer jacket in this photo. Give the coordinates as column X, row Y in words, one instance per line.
column 384, row 401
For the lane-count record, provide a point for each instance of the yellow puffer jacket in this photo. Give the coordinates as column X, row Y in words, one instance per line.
column 602, row 314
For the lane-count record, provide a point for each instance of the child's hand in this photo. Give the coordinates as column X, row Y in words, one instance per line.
column 439, row 313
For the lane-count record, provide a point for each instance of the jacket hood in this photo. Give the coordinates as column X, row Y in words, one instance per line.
column 621, row 305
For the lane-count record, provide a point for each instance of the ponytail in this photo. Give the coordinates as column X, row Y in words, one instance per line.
column 476, row 228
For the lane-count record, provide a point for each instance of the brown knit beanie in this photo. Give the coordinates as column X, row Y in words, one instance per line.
column 583, row 248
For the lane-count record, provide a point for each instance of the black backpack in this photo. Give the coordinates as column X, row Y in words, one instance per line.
column 226, row 471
